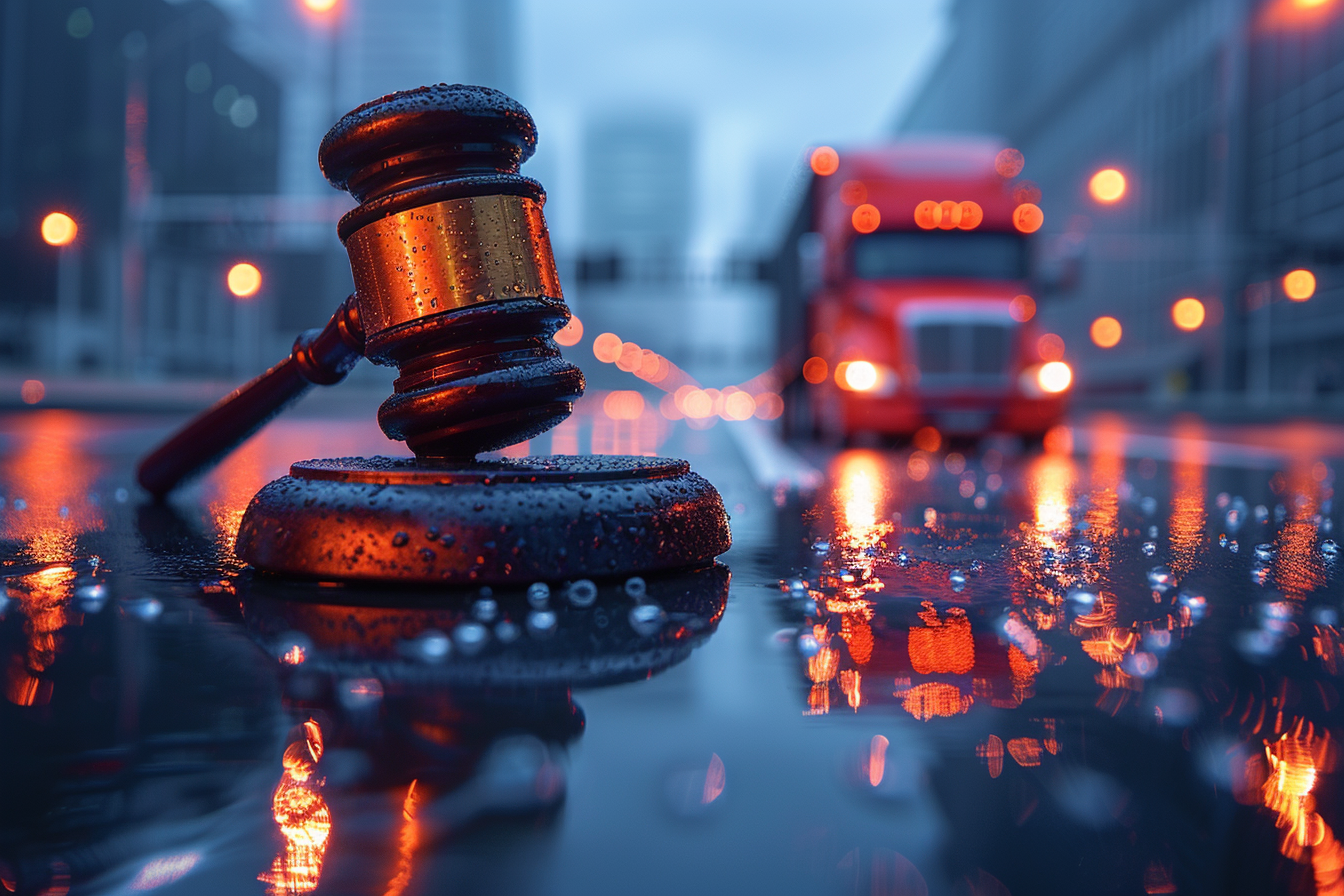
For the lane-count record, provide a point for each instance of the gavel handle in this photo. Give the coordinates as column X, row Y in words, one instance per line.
column 319, row 357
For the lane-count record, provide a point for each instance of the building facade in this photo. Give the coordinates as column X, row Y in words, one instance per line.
column 1227, row 119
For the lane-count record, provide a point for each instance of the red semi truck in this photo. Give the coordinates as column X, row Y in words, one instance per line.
column 904, row 287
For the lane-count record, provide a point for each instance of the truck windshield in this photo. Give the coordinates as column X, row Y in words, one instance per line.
column 901, row 255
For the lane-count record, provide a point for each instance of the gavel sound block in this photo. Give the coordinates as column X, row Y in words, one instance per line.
column 455, row 285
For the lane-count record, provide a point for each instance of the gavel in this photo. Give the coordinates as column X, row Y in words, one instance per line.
column 455, row 285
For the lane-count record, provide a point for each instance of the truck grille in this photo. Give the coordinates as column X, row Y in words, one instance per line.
column 963, row 354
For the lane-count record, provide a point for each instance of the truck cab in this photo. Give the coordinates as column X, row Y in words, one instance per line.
column 909, row 299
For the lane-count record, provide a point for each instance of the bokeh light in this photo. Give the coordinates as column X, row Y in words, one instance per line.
column 1106, row 332
column 860, row 376
column 607, row 348
column 570, row 333
column 319, row 6
column 1028, row 217
column 32, row 391
column 866, row 218
column 1050, row 347
column 928, row 439
column 927, row 214
column 971, row 215
column 825, row 161
column 1009, row 163
column 1022, row 308
column 624, row 404
column 1107, row 186
column 59, row 229
column 738, row 406
column 815, row 370
column 853, row 192
column 244, row 279
column 1299, row 285
column 1055, row 377
column 1188, row 314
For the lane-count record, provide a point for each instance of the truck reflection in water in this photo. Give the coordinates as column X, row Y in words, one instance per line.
column 1065, row 629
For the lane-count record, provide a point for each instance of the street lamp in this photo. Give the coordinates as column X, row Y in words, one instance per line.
column 244, row 279
column 59, row 230
column 1187, row 314
column 1107, row 186
column 1299, row 285
column 1106, row 332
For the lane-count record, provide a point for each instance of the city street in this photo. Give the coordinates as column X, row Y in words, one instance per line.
column 1104, row 666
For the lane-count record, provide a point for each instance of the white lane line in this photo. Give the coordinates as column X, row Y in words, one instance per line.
column 1182, row 449
column 772, row 463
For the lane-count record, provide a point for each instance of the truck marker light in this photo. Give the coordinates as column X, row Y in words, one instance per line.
column 1299, row 285
column 825, row 161
column 1009, row 163
column 927, row 214
column 1022, row 308
column 1054, row 377
column 853, row 192
column 866, row 218
column 1050, row 347
column 949, row 214
column 1028, row 217
column 971, row 215
column 815, row 370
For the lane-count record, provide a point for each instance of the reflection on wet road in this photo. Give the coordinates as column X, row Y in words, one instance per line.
column 1111, row 666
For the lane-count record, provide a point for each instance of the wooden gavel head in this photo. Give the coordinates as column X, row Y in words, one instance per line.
column 455, row 282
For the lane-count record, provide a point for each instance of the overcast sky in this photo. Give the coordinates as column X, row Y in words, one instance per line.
column 762, row 80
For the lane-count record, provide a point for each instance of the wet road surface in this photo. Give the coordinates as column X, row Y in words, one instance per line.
column 1109, row 666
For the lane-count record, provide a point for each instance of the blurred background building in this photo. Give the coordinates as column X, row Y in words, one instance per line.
column 181, row 138
column 1226, row 120
column 637, row 189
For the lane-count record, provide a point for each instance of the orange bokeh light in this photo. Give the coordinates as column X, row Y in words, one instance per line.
column 927, row 214
column 319, row 6
column 971, row 215
column 59, row 229
column 825, row 161
column 1050, row 347
column 1107, row 186
column 1022, row 308
column 1299, row 285
column 1188, row 314
column 607, row 348
column 815, row 370
column 625, row 404
column 853, row 192
column 866, row 218
column 1009, row 163
column 1106, row 332
column 738, row 406
column 32, row 391
column 244, row 279
column 1055, row 377
column 1028, row 217
column 570, row 333
column 928, row 439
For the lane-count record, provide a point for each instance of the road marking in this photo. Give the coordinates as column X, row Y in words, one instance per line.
column 773, row 464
